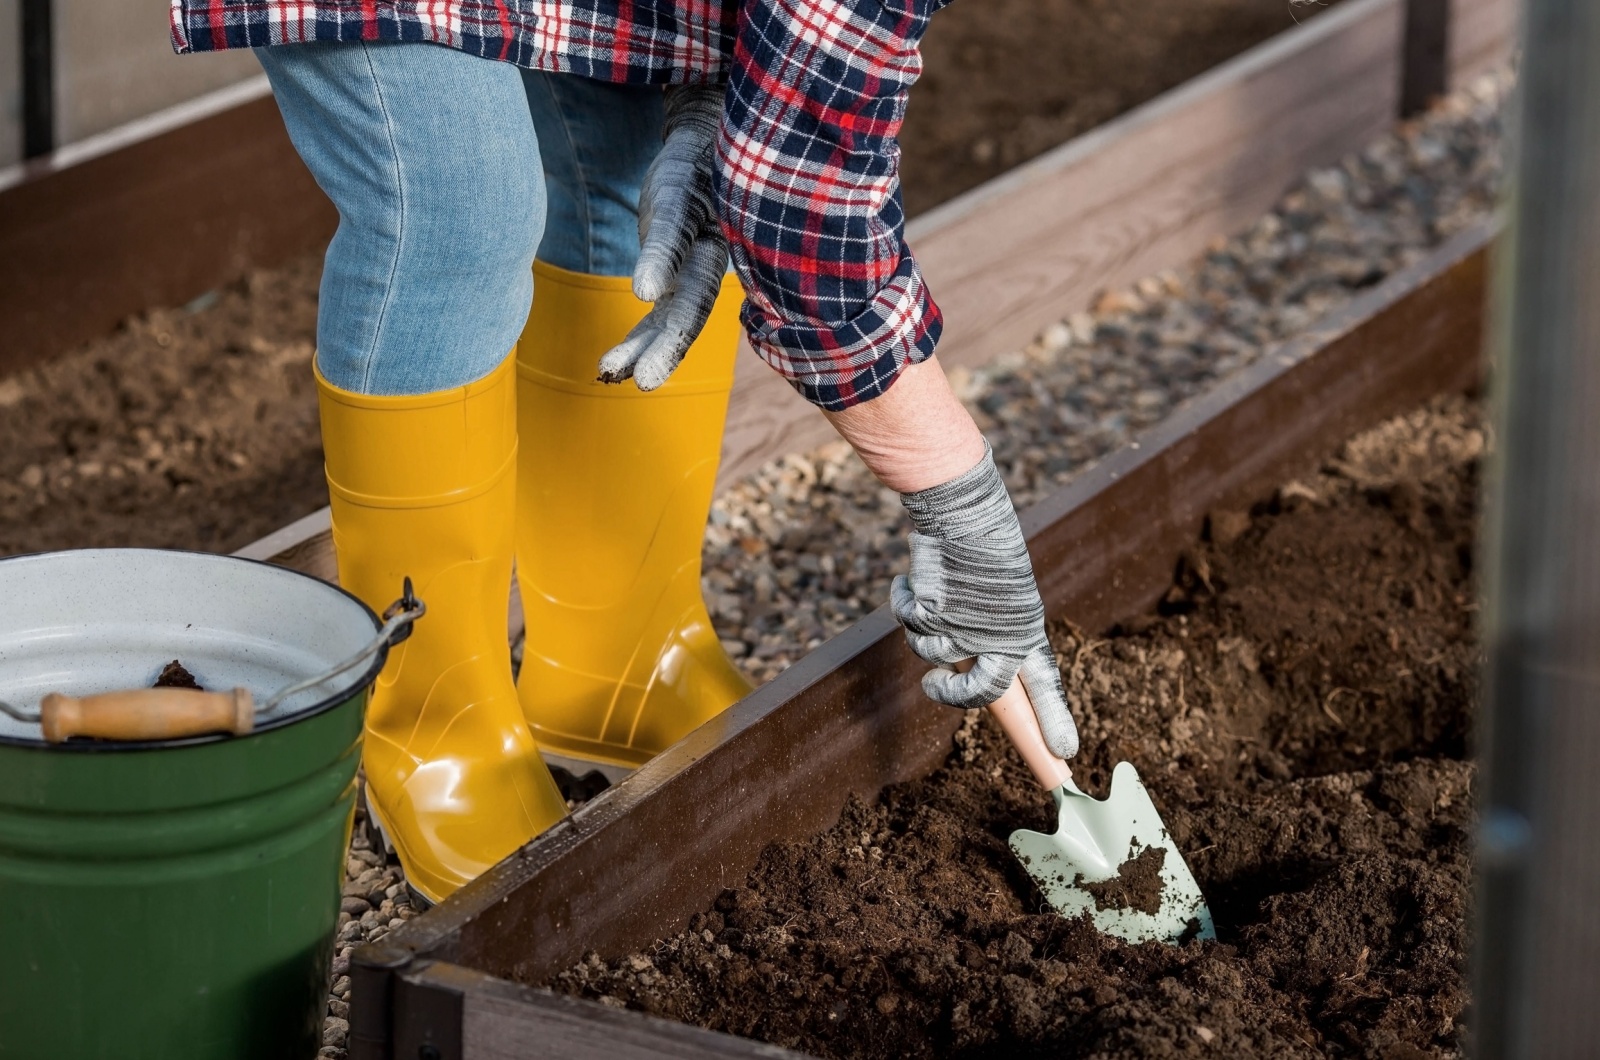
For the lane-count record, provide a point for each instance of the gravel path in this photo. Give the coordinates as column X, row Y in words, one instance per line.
column 375, row 902
column 776, row 577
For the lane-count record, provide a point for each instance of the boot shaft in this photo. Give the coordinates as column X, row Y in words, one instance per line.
column 615, row 488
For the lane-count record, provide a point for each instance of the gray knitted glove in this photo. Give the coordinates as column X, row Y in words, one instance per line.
column 682, row 253
column 972, row 593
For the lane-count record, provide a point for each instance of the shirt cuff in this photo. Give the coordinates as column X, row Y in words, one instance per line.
column 835, row 366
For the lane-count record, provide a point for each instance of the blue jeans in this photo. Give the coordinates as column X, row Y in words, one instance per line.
column 449, row 173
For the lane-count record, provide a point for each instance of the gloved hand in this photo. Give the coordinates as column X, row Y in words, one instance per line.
column 971, row 593
column 683, row 253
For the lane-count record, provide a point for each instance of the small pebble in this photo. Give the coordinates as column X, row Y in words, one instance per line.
column 334, row 1031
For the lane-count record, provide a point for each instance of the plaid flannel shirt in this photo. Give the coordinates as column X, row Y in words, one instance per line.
column 807, row 171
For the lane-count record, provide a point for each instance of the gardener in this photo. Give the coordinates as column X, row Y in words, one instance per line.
column 450, row 171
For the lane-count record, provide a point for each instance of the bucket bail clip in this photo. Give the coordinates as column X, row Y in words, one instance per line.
column 399, row 617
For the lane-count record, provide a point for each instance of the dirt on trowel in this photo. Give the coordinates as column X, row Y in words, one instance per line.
column 1300, row 713
column 1137, row 884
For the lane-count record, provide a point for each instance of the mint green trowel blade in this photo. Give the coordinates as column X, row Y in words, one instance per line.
column 1080, row 868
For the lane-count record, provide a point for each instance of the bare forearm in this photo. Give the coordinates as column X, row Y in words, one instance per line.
column 916, row 434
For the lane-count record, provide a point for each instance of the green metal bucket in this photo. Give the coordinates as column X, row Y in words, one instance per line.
column 174, row 899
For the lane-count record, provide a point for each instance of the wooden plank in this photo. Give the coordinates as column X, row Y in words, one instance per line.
column 305, row 544
column 1140, row 194
column 636, row 862
column 465, row 1015
column 161, row 218
column 861, row 724
column 155, row 221
column 1483, row 34
column 429, row 1015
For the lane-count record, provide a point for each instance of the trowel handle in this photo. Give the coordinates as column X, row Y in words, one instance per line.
column 1014, row 712
column 146, row 714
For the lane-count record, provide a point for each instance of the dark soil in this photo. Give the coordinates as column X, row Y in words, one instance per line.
column 176, row 675
column 192, row 430
column 578, row 789
column 1006, row 80
column 1300, row 711
column 196, row 428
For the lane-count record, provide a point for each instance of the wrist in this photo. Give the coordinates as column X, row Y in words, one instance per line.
column 975, row 502
column 916, row 434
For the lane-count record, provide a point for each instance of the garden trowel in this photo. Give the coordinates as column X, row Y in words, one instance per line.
column 1111, row 859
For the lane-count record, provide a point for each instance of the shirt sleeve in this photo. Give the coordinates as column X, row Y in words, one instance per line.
column 808, row 186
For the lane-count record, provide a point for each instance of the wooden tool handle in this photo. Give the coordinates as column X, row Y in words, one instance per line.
column 1014, row 711
column 146, row 714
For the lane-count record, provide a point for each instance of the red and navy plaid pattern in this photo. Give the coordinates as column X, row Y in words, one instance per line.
column 639, row 42
column 808, row 183
column 808, row 161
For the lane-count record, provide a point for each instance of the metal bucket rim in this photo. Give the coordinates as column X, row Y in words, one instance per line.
column 321, row 706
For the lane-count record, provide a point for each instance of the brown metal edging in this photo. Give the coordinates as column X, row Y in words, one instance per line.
column 447, row 1012
column 635, row 863
column 1425, row 64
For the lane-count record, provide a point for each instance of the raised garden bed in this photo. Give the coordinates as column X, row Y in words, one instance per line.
column 1299, row 705
column 642, row 860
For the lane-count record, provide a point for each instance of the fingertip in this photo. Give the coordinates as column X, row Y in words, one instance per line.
column 616, row 366
column 649, row 376
column 936, row 685
column 656, row 365
column 1063, row 744
column 648, row 285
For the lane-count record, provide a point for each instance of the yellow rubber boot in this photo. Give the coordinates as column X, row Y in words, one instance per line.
column 424, row 486
column 615, row 487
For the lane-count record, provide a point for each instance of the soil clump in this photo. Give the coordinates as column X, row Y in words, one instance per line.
column 1299, row 708
column 176, row 675
column 1004, row 81
column 1137, row 884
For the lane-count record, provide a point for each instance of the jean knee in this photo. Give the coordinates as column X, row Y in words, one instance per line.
column 597, row 141
column 434, row 167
